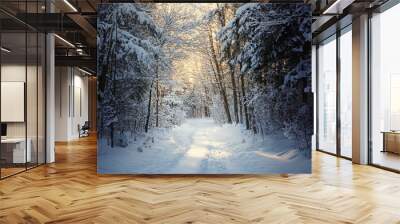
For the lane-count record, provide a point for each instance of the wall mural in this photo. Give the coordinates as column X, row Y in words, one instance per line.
column 200, row 88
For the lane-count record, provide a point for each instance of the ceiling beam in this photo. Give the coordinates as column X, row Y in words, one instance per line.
column 337, row 7
column 79, row 61
column 89, row 30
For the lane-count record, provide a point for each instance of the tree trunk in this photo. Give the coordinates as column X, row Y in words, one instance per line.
column 222, row 20
column 219, row 76
column 234, row 90
column 133, row 133
column 240, row 99
column 114, row 89
column 246, row 114
column 146, row 127
column 112, row 135
column 157, row 100
column 253, row 120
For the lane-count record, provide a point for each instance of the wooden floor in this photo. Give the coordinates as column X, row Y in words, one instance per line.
column 387, row 159
column 5, row 172
column 70, row 191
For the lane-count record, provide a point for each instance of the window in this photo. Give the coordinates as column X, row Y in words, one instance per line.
column 327, row 95
column 385, row 89
column 346, row 92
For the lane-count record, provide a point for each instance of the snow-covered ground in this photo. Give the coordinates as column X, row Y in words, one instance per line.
column 200, row 146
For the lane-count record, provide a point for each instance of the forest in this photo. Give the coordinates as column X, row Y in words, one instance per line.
column 167, row 72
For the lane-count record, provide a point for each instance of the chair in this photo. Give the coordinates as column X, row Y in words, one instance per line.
column 84, row 130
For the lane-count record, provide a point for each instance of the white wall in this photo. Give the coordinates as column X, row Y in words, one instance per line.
column 61, row 103
column 81, row 89
column 71, row 94
column 13, row 72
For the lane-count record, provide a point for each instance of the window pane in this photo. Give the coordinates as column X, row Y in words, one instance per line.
column 13, row 86
column 31, row 97
column 327, row 96
column 385, row 86
column 23, row 85
column 346, row 94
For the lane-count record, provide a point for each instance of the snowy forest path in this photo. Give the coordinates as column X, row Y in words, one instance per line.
column 205, row 146
column 201, row 146
column 212, row 147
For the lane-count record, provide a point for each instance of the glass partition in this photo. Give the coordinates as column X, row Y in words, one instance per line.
column 346, row 93
column 22, row 88
column 31, row 100
column 13, row 95
column 385, row 89
column 327, row 95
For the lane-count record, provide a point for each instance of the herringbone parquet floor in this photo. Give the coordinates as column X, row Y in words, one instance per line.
column 70, row 191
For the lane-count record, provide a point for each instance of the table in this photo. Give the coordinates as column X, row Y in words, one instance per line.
column 391, row 141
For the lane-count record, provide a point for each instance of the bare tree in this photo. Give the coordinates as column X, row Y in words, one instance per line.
column 218, row 74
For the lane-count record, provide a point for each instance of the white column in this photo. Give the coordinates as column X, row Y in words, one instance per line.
column 50, row 94
column 360, row 90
